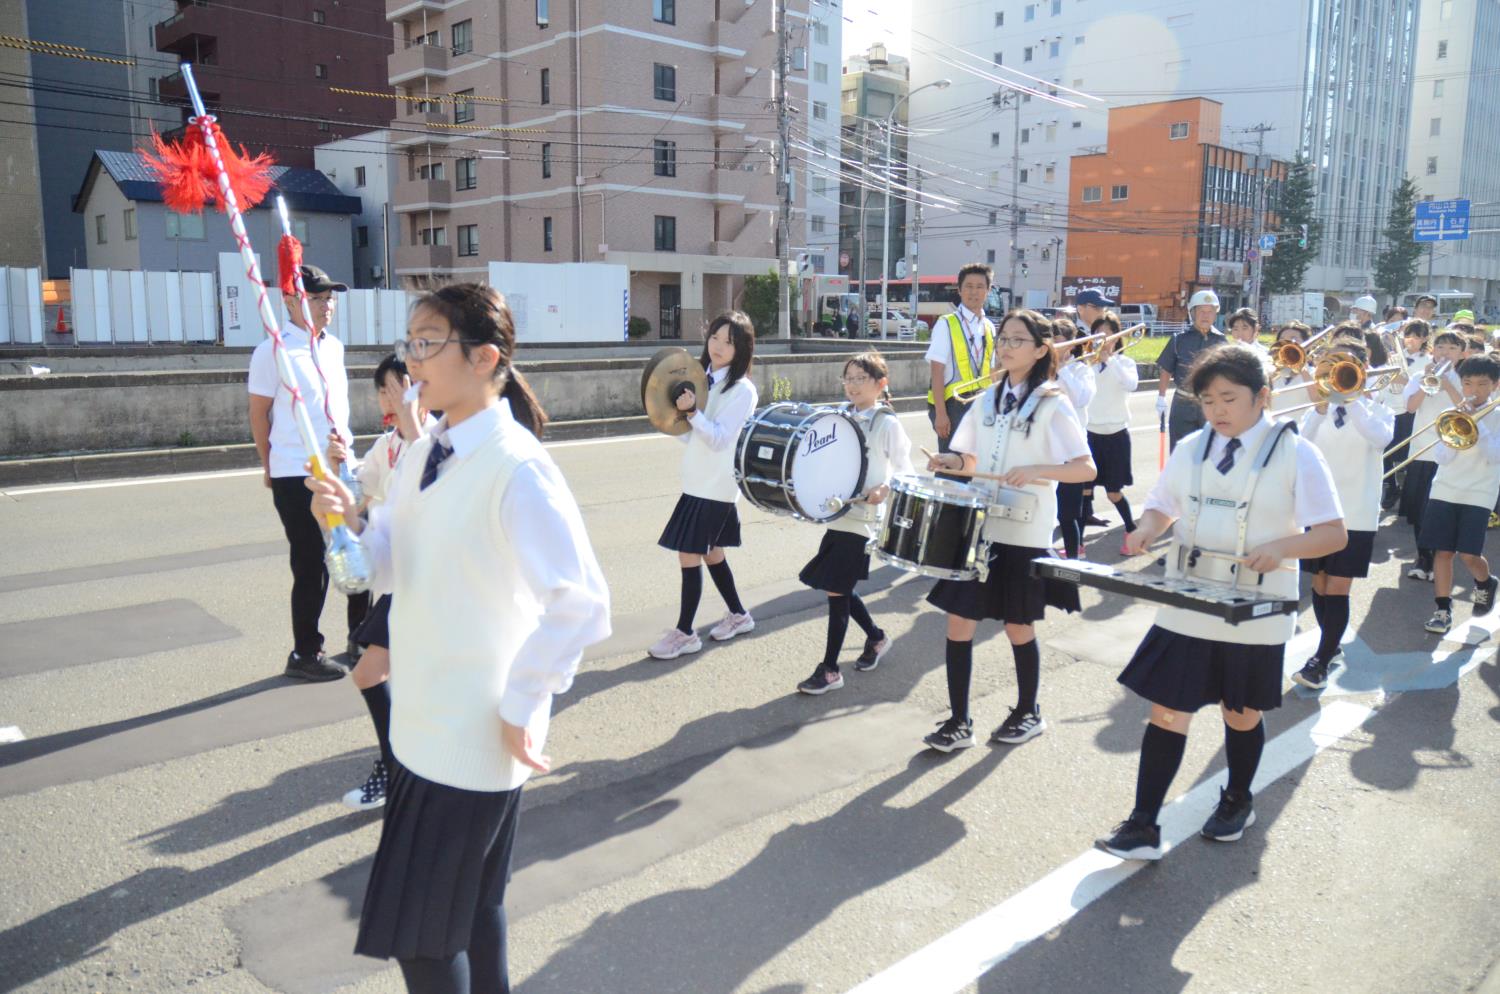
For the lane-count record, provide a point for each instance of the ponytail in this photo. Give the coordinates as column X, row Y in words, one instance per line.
column 524, row 406
column 873, row 365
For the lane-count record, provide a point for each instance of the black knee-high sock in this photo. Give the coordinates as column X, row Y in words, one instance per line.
column 1072, row 535
column 1161, row 755
column 838, row 627
column 1243, row 752
column 1319, row 607
column 960, row 664
column 724, row 580
column 1335, row 621
column 1123, row 506
column 1028, row 673
column 449, row 975
column 860, row 615
column 378, row 700
column 692, row 593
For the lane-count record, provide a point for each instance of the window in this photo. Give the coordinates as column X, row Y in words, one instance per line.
column 1025, row 175
column 1437, row 88
column 994, row 139
column 546, row 234
column 665, row 158
column 1178, row 130
column 999, row 18
column 320, row 71
column 1056, row 7
column 994, row 179
column 463, row 107
column 463, row 37
column 1432, row 165
column 432, row 170
column 362, row 236
column 101, row 232
column 994, row 217
column 1445, row 10
column 664, row 11
column 299, row 231
column 318, row 17
column 1021, row 215
column 546, row 84
column 543, row 13
column 820, row 33
column 1030, row 13
column 1093, row 194
column 1442, row 50
column 432, row 236
column 815, row 224
column 466, row 174
column 1020, row 255
column 322, row 125
column 1119, row 192
column 359, row 175
column 130, row 224
column 1026, row 54
column 546, row 160
column 820, row 186
column 989, row 256
column 1052, row 132
column 1053, row 48
column 1049, row 174
column 468, row 239
column 1077, row 125
column 999, row 58
column 1046, row 254
column 820, row 111
column 666, row 233
column 184, row 225
column 1025, row 136
column 1435, row 128
column 664, row 81
column 820, row 72
column 1078, row 39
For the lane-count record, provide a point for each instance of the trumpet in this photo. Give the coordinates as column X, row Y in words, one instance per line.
column 1293, row 356
column 1457, row 428
column 1432, row 379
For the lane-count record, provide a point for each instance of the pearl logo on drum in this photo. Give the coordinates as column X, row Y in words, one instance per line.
column 816, row 441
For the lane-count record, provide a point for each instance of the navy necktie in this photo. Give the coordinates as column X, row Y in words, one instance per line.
column 435, row 457
column 1009, row 404
column 1227, row 463
column 1338, row 416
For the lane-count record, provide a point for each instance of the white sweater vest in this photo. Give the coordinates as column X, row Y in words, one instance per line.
column 1022, row 448
column 460, row 612
column 706, row 473
column 1392, row 398
column 1470, row 478
column 1430, row 409
column 1356, row 466
column 864, row 519
column 1108, row 413
column 1272, row 517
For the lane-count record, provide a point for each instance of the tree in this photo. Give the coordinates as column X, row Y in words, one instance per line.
column 1396, row 265
column 1284, row 270
column 758, row 299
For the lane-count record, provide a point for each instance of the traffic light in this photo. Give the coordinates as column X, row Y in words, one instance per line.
column 1302, row 238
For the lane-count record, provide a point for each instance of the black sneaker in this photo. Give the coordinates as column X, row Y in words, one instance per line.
column 822, row 681
column 1314, row 674
column 1133, row 839
column 951, row 734
column 1230, row 819
column 1484, row 597
column 1021, row 726
column 1389, row 498
column 874, row 649
column 372, row 794
column 1094, row 521
column 313, row 668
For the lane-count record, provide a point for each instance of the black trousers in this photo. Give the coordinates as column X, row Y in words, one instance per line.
column 1404, row 425
column 309, row 574
column 1184, row 418
column 956, row 410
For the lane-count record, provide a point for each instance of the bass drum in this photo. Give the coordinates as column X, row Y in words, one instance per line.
column 796, row 458
column 934, row 528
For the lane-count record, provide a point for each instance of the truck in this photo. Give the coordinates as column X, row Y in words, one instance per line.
column 1305, row 307
column 829, row 303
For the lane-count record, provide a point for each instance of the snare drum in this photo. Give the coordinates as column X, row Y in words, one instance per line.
column 795, row 458
column 934, row 528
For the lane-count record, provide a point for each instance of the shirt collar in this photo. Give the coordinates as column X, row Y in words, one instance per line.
column 1249, row 440
column 466, row 436
column 715, row 376
column 967, row 316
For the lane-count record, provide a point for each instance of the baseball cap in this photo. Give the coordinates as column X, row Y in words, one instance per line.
column 1092, row 298
column 314, row 280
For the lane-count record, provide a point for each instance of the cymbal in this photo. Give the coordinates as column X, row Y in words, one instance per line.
column 662, row 381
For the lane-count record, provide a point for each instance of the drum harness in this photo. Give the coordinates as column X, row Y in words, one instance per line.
column 1188, row 556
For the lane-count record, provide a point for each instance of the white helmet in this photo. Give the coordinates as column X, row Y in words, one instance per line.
column 1204, row 298
column 1367, row 304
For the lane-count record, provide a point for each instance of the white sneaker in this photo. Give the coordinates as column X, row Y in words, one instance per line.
column 732, row 625
column 674, row 643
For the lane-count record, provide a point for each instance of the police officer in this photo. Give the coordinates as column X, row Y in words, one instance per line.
column 1177, row 358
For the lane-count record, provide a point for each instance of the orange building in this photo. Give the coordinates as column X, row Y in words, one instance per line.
column 1166, row 208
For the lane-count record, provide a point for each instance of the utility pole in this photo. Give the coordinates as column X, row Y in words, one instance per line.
column 1015, row 194
column 864, row 199
column 916, row 244
column 783, row 180
column 1260, row 171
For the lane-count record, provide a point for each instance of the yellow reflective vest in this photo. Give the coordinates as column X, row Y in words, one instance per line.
column 963, row 362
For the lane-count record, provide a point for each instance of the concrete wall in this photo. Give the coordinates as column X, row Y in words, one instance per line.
column 110, row 411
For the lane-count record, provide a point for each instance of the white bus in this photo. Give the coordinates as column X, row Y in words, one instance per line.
column 1450, row 302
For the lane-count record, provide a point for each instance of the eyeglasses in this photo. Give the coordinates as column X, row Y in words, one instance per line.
column 420, row 349
column 1013, row 343
column 855, row 381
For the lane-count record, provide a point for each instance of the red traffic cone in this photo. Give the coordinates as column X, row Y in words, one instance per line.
column 62, row 327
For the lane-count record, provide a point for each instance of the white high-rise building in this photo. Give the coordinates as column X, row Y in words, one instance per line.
column 1451, row 151
column 1331, row 78
column 824, row 41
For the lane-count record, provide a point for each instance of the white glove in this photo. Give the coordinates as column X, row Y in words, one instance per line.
column 1161, row 403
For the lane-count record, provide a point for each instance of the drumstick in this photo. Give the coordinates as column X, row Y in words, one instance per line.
column 972, row 473
column 1233, row 559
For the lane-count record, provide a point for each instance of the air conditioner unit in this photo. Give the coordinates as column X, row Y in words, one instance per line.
column 376, row 272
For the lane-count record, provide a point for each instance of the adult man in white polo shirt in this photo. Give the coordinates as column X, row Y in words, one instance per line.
column 962, row 348
column 318, row 367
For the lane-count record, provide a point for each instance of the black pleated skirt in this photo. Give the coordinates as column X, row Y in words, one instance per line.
column 444, row 856
column 1185, row 673
column 1352, row 561
column 1416, row 490
column 376, row 628
column 1010, row 594
column 698, row 524
column 1111, row 454
column 840, row 563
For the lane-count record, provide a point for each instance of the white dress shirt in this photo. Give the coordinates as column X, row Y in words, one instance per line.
column 1065, row 435
column 1375, row 424
column 1077, row 380
column 940, row 344
column 288, row 454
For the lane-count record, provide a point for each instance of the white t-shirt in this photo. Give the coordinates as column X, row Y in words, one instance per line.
column 1065, row 436
column 940, row 346
column 288, row 455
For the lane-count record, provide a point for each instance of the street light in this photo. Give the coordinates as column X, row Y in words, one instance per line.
column 885, row 237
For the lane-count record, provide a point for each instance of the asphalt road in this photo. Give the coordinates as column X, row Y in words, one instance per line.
column 172, row 822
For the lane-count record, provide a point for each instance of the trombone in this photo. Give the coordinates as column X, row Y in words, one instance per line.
column 1131, row 336
column 1457, row 428
column 1293, row 356
column 970, row 389
column 1341, row 373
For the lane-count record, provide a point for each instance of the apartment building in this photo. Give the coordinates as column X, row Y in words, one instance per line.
column 638, row 132
column 824, row 38
column 875, row 83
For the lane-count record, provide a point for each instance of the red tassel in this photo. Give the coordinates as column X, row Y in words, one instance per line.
column 189, row 179
column 288, row 261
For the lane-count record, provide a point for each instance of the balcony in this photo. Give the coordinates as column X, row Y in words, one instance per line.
column 412, row 117
column 732, row 40
column 396, row 10
column 172, row 89
column 735, row 185
column 424, row 258
column 409, row 64
column 187, row 31
column 755, row 239
column 423, row 194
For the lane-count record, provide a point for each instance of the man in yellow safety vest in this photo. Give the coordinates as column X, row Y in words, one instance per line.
column 962, row 349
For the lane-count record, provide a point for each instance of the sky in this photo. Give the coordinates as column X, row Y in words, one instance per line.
column 888, row 23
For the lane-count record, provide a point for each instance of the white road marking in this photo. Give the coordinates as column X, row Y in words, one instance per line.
column 978, row 946
column 10, row 733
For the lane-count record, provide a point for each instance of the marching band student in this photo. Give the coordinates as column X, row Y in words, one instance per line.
column 1447, row 352
column 496, row 593
column 1025, row 429
column 704, row 523
column 843, row 559
column 1109, row 419
column 1351, row 433
column 1244, row 327
column 406, row 424
column 1079, row 383
column 1412, row 337
column 1251, row 487
column 1292, row 331
column 1463, row 494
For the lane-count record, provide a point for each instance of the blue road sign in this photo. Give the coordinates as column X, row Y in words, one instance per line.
column 1441, row 221
column 1268, row 243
